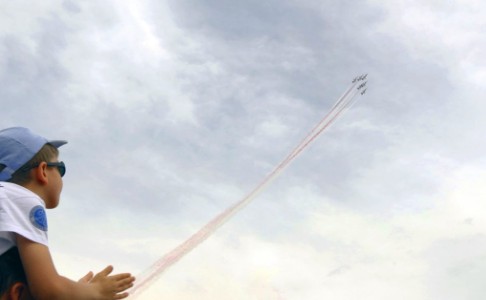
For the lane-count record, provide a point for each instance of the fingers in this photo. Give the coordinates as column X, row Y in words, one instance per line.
column 106, row 271
column 116, row 285
column 102, row 275
column 86, row 278
column 122, row 276
column 121, row 296
column 122, row 282
column 125, row 283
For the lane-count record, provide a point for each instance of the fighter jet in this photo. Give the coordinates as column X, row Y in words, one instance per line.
column 364, row 91
column 362, row 85
column 358, row 78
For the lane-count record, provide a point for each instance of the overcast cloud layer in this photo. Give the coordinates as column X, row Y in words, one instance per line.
column 174, row 110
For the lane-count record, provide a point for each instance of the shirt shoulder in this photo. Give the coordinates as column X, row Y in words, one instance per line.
column 11, row 193
column 22, row 212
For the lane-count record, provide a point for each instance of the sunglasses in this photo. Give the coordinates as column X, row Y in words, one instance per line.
column 61, row 167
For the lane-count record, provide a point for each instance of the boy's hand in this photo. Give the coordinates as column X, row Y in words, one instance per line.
column 111, row 287
column 87, row 278
column 45, row 283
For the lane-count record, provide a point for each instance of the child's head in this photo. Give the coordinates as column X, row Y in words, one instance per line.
column 22, row 152
column 21, row 149
column 13, row 282
column 23, row 175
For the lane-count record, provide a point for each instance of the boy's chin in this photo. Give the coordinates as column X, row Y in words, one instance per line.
column 50, row 205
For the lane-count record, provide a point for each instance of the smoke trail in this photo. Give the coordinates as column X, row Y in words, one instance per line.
column 150, row 275
column 342, row 103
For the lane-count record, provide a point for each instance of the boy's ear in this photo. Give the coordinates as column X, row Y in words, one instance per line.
column 40, row 173
column 16, row 290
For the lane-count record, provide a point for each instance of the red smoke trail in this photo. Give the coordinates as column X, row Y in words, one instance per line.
column 172, row 257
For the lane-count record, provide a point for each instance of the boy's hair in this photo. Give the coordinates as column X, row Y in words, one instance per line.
column 11, row 270
column 23, row 174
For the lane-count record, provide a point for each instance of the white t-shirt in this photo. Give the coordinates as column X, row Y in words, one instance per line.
column 21, row 212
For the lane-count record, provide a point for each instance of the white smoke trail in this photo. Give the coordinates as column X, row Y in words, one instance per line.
column 150, row 275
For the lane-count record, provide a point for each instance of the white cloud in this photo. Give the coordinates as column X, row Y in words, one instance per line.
column 447, row 33
column 173, row 110
column 353, row 255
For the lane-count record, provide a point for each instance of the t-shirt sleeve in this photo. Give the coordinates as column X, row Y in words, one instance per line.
column 26, row 217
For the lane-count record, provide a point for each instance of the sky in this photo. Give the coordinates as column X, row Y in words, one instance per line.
column 175, row 110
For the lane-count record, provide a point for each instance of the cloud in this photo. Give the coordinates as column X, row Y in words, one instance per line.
column 436, row 253
column 175, row 110
column 438, row 33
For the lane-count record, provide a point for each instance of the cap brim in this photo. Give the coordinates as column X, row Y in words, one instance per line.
column 57, row 144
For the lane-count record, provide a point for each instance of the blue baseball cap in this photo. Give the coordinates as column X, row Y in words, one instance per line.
column 17, row 146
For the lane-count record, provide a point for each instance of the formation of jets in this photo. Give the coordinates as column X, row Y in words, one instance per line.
column 362, row 77
column 358, row 78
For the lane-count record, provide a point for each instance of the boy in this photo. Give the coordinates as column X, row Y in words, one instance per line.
column 30, row 181
column 13, row 284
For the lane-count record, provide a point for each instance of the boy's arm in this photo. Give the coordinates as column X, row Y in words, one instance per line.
column 45, row 283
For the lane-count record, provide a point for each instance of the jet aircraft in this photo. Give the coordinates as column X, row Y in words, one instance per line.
column 361, row 77
column 362, row 85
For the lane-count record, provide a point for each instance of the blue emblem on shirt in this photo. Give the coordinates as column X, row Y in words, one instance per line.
column 38, row 217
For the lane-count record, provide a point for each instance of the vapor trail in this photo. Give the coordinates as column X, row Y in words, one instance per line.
column 150, row 275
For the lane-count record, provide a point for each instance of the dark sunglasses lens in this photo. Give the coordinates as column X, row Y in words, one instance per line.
column 62, row 169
